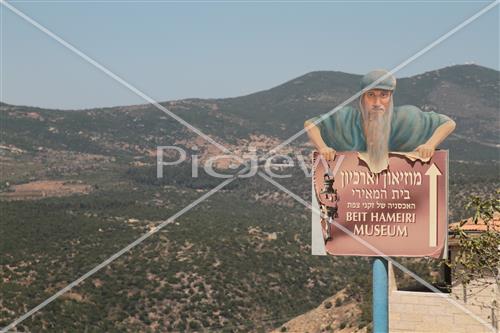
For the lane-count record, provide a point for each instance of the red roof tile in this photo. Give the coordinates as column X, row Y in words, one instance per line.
column 480, row 226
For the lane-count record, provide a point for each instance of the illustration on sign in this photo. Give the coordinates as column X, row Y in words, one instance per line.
column 389, row 184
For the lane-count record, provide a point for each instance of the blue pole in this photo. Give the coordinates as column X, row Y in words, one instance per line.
column 380, row 298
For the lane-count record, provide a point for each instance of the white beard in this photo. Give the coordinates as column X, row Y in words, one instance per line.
column 377, row 129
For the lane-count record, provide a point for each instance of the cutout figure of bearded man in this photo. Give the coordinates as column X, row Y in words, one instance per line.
column 378, row 128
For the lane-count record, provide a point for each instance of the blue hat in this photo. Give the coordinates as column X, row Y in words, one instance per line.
column 389, row 83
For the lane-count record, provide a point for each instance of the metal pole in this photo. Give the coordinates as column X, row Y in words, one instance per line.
column 380, row 296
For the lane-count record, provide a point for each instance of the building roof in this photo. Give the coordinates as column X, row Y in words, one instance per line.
column 480, row 226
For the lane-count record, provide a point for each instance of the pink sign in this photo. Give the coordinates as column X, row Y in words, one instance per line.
column 401, row 211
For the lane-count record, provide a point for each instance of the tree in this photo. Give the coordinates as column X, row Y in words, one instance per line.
column 478, row 256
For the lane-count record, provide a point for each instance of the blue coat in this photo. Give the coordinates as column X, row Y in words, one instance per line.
column 410, row 127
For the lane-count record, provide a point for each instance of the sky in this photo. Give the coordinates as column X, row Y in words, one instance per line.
column 172, row 49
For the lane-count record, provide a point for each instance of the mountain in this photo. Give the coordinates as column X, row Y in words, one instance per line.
column 466, row 93
column 78, row 185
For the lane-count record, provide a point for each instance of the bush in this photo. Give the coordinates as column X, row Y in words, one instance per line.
column 194, row 325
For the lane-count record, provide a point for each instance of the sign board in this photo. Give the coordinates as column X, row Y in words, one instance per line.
column 401, row 211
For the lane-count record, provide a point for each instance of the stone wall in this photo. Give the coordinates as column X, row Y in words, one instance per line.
column 432, row 312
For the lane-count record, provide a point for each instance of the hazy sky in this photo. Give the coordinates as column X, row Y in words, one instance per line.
column 172, row 50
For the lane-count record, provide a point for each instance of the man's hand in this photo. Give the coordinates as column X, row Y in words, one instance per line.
column 425, row 150
column 327, row 153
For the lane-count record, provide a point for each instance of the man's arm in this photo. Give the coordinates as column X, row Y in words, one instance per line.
column 315, row 136
column 428, row 148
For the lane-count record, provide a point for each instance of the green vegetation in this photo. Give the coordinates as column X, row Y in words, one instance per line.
column 239, row 261
column 479, row 255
